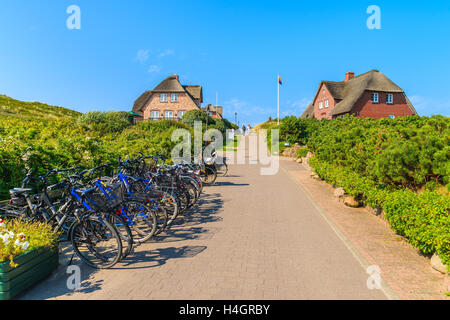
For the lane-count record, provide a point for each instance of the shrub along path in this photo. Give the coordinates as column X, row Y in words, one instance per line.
column 405, row 270
column 252, row 237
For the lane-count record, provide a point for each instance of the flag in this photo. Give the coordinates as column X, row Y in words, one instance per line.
column 280, row 81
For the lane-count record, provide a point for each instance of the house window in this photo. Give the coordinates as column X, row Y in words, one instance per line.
column 390, row 98
column 181, row 114
column 326, row 103
column 154, row 115
column 321, row 105
column 163, row 97
column 168, row 115
column 174, row 97
column 375, row 97
column 391, row 116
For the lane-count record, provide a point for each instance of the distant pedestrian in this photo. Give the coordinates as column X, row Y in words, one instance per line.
column 248, row 129
column 243, row 129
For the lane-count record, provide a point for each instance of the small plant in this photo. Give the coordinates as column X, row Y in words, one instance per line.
column 301, row 153
column 18, row 237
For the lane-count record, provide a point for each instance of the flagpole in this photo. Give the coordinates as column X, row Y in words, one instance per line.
column 278, row 100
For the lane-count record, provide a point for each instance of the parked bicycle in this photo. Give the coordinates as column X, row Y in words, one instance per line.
column 104, row 215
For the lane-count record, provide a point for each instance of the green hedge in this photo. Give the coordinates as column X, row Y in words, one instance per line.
column 401, row 165
column 423, row 219
column 44, row 144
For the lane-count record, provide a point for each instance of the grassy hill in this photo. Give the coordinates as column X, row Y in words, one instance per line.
column 10, row 107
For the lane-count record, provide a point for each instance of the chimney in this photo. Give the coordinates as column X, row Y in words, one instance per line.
column 349, row 75
column 176, row 77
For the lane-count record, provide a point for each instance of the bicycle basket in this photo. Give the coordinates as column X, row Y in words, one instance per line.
column 109, row 198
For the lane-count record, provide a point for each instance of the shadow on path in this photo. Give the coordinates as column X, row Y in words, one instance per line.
column 186, row 227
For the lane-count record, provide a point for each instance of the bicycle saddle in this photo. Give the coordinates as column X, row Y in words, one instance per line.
column 85, row 192
column 19, row 191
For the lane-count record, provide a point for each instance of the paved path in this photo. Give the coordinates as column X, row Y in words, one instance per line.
column 251, row 237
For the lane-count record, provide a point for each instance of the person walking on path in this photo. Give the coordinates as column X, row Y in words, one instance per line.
column 248, row 129
column 243, row 129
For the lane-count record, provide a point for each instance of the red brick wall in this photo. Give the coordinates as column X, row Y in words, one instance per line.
column 184, row 103
column 321, row 97
column 367, row 109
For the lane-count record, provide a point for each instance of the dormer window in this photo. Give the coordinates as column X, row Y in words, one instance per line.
column 375, row 97
column 163, row 97
column 174, row 97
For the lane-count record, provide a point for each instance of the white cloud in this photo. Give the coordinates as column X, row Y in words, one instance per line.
column 142, row 55
column 167, row 52
column 154, row 69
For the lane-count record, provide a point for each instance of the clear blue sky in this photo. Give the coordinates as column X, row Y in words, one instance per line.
column 235, row 48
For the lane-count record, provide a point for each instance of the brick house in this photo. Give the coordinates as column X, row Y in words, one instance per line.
column 169, row 100
column 369, row 95
column 214, row 111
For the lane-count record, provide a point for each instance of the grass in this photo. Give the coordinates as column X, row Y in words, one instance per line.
column 12, row 108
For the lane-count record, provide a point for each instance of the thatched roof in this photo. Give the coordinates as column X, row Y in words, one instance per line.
column 309, row 112
column 196, row 92
column 347, row 93
column 169, row 85
column 141, row 102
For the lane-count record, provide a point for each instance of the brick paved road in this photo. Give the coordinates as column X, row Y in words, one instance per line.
column 252, row 237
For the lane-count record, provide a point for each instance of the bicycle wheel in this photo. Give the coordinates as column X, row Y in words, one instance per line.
column 222, row 169
column 209, row 176
column 161, row 218
column 141, row 219
column 170, row 203
column 191, row 192
column 96, row 242
column 124, row 232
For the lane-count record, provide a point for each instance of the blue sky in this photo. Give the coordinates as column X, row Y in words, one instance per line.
column 235, row 48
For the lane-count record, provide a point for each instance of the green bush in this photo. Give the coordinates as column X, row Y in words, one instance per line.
column 423, row 219
column 406, row 152
column 301, row 153
column 197, row 115
column 395, row 164
column 106, row 122
column 44, row 144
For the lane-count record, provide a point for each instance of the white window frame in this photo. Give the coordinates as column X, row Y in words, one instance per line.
column 165, row 115
column 390, row 98
column 153, row 113
column 172, row 96
column 320, row 104
column 375, row 97
column 392, row 116
column 326, row 103
column 181, row 113
column 163, row 97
